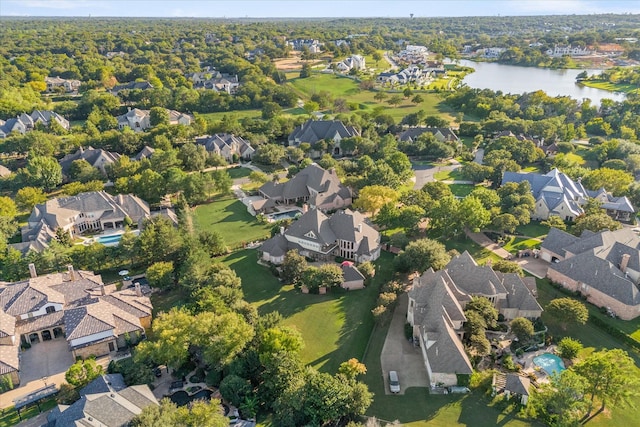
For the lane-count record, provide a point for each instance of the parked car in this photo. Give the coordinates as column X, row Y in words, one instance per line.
column 394, row 383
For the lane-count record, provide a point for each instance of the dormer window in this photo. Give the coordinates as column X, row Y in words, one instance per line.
column 311, row 235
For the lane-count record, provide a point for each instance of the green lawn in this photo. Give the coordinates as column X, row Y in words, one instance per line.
column 515, row 244
column 343, row 87
column 240, row 114
column 335, row 326
column 9, row 416
column 229, row 217
column 449, row 175
column 238, row 172
column 533, row 229
column 612, row 87
column 461, row 190
column 480, row 254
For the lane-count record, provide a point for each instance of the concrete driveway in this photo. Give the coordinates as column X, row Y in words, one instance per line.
column 398, row 354
column 426, row 173
column 45, row 359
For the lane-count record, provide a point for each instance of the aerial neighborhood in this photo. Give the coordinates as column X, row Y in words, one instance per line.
column 319, row 222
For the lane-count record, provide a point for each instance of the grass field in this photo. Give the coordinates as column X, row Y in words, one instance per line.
column 238, row 172
column 480, row 254
column 533, row 229
column 516, row 244
column 343, row 87
column 461, row 190
column 612, row 87
column 335, row 326
column 229, row 217
column 449, row 175
column 9, row 416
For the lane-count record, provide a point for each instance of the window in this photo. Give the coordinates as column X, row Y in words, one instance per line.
column 310, row 235
column 111, row 347
column 51, row 309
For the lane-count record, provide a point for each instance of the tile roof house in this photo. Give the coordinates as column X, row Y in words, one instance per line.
column 318, row 187
column 140, row 120
column 356, row 62
column 557, row 194
column 131, row 86
column 215, row 80
column 90, row 211
column 441, row 134
column 509, row 384
column 94, row 319
column 603, row 266
column 69, row 85
column 352, row 277
column 27, row 122
column 346, row 234
column 313, row 131
column 97, row 158
column 227, row 146
column 106, row 402
column 145, row 153
column 436, row 311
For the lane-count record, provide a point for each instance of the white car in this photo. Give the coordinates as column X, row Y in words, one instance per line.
column 394, row 383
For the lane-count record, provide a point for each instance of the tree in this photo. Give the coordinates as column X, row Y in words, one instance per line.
column 220, row 336
column 43, row 172
column 505, row 223
column 352, row 368
column 213, row 243
column 171, row 339
column 506, row 266
column 81, row 170
column 293, row 267
column 422, row 254
column 8, row 208
column 471, row 214
column 554, row 221
column 595, row 222
column 280, row 339
column 149, row 186
column 234, row 389
column 568, row 310
column 560, row 402
column 160, row 274
column 83, row 372
column 615, row 181
column 522, row 328
column 417, row 99
column 258, row 178
column 371, row 198
column 610, row 375
column 158, row 116
column 474, row 172
column 193, row 157
column 485, row 309
column 199, row 413
column 306, row 70
column 380, row 96
column 311, row 106
column 269, row 154
column 395, row 100
column 27, row 197
column 568, row 348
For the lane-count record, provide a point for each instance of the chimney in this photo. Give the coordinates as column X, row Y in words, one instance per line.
column 305, row 208
column 624, row 262
column 32, row 270
column 360, row 228
column 138, row 289
column 72, row 273
column 103, row 292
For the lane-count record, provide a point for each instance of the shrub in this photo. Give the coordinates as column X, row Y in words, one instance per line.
column 568, row 348
column 386, row 299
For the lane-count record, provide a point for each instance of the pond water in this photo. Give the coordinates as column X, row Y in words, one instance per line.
column 181, row 398
column 514, row 79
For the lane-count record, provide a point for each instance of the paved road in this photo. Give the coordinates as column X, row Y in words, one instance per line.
column 426, row 173
column 398, row 354
column 479, row 156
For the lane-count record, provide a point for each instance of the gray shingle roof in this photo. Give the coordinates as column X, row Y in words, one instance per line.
column 517, row 384
column 313, row 131
column 557, row 240
column 104, row 384
column 413, row 133
column 90, row 154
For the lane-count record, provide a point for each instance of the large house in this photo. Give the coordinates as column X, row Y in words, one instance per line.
column 27, row 122
column 603, row 266
column 414, row 54
column 144, row 85
column 559, row 51
column 228, row 146
column 314, row 185
column 97, row 158
column 94, row 318
column 412, row 74
column 313, row 131
column 214, row 80
column 436, row 311
column 139, row 120
column 353, row 62
column 105, row 401
column 557, row 194
column 86, row 212
column 440, row 134
column 68, row 85
column 299, row 44
column 346, row 234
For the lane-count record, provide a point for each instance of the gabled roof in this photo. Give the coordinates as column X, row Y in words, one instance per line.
column 99, row 317
column 351, row 273
column 145, row 153
column 472, row 278
column 9, row 358
column 557, row 240
column 517, row 384
column 313, row 225
column 90, row 154
column 313, row 131
column 413, row 133
column 7, row 324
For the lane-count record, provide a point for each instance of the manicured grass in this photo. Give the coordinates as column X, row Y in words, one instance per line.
column 612, row 87
column 240, row 114
column 449, row 175
column 461, row 190
column 532, row 169
column 10, row 417
column 516, row 244
column 229, row 217
column 480, row 254
column 164, row 301
column 335, row 326
column 238, row 172
column 343, row 87
column 533, row 229
column 575, row 158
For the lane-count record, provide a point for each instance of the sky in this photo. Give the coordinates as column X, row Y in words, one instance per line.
column 311, row 8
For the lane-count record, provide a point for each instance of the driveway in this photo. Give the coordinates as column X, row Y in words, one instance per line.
column 45, row 359
column 426, row 173
column 398, row 354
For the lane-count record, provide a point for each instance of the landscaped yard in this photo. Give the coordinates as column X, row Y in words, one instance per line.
column 229, row 217
column 461, row 190
column 344, row 87
column 448, row 175
column 515, row 244
column 335, row 326
column 480, row 254
column 533, row 229
column 9, row 416
column 238, row 172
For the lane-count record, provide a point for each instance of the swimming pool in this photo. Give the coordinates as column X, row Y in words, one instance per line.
column 112, row 238
column 181, row 398
column 550, row 363
column 283, row 215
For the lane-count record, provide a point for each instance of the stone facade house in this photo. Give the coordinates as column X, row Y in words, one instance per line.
column 603, row 266
column 140, row 120
column 313, row 131
column 68, row 85
column 227, row 146
column 346, row 234
column 557, row 194
column 314, row 185
column 440, row 134
column 97, row 158
column 94, row 318
column 27, row 122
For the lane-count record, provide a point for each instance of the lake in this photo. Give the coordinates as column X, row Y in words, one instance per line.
column 516, row 80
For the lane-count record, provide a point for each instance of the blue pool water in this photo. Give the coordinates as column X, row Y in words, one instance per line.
column 181, row 398
column 550, row 363
column 114, row 238
column 282, row 215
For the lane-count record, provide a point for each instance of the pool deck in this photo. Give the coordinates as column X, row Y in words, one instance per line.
column 526, row 361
